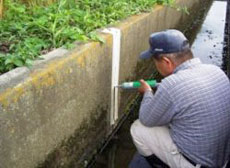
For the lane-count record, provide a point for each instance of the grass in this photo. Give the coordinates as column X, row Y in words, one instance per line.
column 28, row 31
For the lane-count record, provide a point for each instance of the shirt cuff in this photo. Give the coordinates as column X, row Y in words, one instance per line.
column 148, row 93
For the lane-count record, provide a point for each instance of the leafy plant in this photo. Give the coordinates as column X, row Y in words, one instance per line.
column 28, row 31
column 37, row 2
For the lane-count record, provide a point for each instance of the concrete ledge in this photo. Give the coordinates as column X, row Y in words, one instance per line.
column 63, row 102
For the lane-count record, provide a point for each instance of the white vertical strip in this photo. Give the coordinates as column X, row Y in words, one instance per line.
column 115, row 72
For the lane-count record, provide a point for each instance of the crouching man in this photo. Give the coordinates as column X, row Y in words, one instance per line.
column 186, row 123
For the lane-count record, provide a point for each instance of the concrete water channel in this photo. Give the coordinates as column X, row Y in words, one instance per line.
column 207, row 38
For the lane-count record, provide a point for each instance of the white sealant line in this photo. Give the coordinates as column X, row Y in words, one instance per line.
column 115, row 72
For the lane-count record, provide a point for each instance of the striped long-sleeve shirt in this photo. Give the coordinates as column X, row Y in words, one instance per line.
column 195, row 102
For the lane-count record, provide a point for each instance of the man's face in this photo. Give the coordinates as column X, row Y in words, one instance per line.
column 164, row 66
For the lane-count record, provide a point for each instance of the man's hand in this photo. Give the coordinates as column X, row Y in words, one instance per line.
column 144, row 87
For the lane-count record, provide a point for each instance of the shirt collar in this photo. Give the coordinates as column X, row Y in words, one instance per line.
column 187, row 64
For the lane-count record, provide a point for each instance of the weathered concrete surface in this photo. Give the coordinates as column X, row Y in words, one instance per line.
column 60, row 107
column 52, row 101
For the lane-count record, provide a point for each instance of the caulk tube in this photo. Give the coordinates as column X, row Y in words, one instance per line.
column 137, row 84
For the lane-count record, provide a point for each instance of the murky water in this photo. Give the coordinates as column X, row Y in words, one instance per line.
column 208, row 46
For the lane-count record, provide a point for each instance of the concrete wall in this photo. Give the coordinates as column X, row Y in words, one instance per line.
column 58, row 110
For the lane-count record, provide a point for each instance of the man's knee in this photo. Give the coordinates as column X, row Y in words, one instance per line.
column 139, row 138
column 135, row 128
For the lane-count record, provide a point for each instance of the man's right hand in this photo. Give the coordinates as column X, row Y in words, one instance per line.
column 144, row 87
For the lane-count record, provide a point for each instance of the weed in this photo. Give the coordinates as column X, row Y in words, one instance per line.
column 27, row 31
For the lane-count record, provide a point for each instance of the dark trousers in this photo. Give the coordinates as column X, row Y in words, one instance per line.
column 152, row 161
column 155, row 162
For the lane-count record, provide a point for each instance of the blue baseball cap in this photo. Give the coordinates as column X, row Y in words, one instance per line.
column 166, row 42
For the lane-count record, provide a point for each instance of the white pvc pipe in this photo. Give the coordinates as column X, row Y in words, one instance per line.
column 115, row 72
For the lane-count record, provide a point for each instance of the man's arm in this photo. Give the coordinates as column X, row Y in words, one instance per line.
column 155, row 109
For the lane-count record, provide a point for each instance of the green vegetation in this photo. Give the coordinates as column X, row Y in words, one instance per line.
column 36, row 2
column 26, row 32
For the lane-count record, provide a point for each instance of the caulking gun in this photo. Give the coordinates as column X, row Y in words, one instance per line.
column 137, row 84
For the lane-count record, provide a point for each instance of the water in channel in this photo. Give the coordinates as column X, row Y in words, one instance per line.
column 208, row 46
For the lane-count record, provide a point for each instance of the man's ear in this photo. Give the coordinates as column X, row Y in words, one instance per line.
column 169, row 63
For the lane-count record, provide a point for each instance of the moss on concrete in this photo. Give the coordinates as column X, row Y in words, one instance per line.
column 74, row 151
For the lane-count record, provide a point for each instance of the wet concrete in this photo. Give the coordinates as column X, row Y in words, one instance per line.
column 207, row 45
